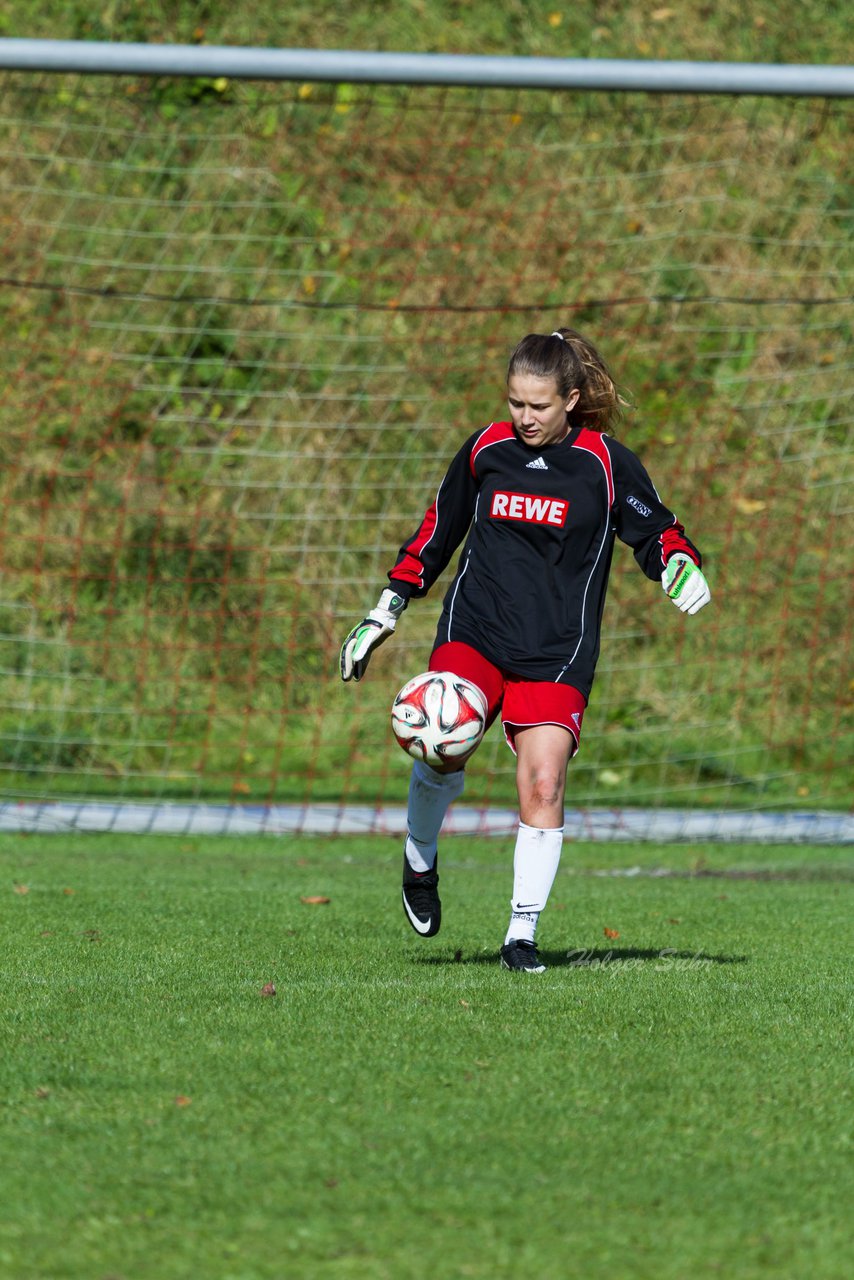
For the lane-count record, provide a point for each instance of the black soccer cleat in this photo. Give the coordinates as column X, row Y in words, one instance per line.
column 421, row 899
column 521, row 957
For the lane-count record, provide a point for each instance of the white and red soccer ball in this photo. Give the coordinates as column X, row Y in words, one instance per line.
column 439, row 717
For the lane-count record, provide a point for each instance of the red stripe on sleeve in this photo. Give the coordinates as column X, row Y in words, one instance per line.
column 593, row 442
column 493, row 434
column 410, row 568
column 673, row 540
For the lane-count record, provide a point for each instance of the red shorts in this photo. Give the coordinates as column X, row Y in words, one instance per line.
column 521, row 702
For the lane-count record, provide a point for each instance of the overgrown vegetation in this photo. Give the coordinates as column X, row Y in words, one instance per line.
column 248, row 323
column 814, row 31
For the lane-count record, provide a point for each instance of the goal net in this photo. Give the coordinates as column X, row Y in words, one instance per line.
column 245, row 326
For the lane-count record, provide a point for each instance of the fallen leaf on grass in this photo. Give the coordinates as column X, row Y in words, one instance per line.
column 748, row 506
column 316, row 900
column 42, row 1092
column 268, row 989
column 21, row 888
column 611, row 933
column 183, row 1101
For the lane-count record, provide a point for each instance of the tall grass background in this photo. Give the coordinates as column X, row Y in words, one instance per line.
column 248, row 324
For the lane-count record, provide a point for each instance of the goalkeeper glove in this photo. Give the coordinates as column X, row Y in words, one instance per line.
column 370, row 634
column 685, row 584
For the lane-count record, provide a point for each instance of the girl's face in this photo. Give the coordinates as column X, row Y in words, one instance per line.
column 537, row 410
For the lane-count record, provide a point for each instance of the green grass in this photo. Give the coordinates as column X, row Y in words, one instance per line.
column 672, row 1102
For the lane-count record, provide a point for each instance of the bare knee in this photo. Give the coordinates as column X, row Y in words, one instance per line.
column 546, row 787
column 542, row 756
column 541, row 792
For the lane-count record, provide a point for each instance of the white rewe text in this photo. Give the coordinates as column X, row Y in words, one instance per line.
column 529, row 508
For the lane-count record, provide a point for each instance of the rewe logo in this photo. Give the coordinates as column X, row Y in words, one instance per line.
column 529, row 508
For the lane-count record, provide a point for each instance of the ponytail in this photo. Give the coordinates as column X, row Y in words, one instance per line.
column 572, row 362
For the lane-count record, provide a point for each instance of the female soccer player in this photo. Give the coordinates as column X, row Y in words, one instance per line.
column 539, row 501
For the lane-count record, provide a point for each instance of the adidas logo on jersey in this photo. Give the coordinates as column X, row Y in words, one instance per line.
column 537, row 464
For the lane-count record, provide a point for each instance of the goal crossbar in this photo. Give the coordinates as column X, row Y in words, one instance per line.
column 646, row 76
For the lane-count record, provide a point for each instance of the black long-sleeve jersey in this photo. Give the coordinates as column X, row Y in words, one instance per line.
column 530, row 586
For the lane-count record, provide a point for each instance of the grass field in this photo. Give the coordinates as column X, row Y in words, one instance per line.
column 670, row 1100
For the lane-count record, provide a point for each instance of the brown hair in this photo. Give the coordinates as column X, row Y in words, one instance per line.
column 573, row 362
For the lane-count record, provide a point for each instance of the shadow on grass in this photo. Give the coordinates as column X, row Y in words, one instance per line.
column 596, row 958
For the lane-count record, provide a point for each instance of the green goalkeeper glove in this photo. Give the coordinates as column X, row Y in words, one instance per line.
column 685, row 584
column 370, row 634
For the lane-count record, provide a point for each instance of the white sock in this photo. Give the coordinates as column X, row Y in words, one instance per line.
column 535, row 864
column 430, row 796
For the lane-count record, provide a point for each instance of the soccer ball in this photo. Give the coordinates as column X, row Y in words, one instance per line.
column 438, row 717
